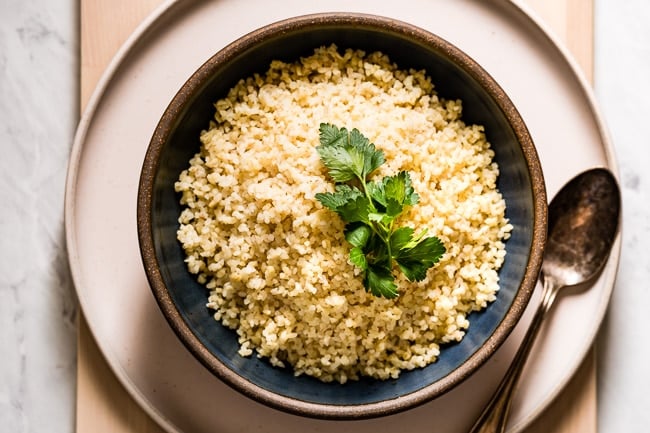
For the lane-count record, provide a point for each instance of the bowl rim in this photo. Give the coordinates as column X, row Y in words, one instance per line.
column 193, row 86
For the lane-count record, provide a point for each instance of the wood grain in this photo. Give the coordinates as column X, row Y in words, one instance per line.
column 104, row 406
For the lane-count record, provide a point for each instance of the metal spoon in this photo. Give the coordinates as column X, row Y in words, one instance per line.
column 583, row 220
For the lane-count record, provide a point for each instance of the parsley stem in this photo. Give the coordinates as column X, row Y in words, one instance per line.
column 367, row 193
column 390, row 253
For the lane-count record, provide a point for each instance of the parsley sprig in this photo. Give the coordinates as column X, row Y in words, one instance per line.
column 370, row 209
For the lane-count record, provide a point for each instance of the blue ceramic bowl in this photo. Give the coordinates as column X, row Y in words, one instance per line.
column 182, row 300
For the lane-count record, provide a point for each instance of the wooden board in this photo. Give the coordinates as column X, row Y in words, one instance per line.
column 104, row 406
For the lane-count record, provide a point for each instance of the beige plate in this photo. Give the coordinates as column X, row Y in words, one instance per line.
column 101, row 197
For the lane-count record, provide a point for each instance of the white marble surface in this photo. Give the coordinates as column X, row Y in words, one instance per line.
column 622, row 68
column 38, row 114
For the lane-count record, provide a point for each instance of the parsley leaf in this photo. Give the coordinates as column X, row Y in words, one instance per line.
column 372, row 158
column 358, row 258
column 349, row 202
column 358, row 236
column 331, row 135
column 347, row 155
column 370, row 209
column 401, row 238
column 380, row 282
column 342, row 164
column 414, row 261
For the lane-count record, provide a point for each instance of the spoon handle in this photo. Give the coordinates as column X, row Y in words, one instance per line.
column 494, row 416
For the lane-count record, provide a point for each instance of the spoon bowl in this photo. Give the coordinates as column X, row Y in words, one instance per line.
column 583, row 221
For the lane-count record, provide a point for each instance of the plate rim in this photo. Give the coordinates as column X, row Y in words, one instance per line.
column 166, row 7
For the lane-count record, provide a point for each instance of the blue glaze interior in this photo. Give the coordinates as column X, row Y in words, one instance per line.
column 190, row 297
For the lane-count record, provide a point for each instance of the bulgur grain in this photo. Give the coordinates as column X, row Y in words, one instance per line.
column 276, row 262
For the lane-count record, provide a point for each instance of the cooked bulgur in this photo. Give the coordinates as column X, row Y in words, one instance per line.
column 276, row 262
